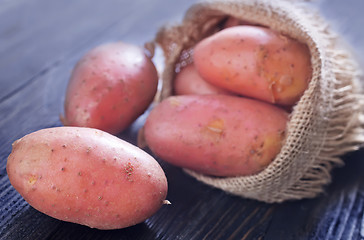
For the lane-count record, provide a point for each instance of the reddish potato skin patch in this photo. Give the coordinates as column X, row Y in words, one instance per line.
column 188, row 82
column 110, row 87
column 216, row 135
column 255, row 62
column 86, row 176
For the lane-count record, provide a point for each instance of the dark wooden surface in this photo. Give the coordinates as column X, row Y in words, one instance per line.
column 41, row 40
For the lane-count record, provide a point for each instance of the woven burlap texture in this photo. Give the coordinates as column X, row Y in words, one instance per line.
column 324, row 124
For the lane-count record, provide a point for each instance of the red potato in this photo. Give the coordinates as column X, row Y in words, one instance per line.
column 188, row 81
column 218, row 135
column 255, row 62
column 86, row 176
column 111, row 86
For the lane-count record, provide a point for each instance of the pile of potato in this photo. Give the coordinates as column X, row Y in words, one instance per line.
column 81, row 173
column 228, row 118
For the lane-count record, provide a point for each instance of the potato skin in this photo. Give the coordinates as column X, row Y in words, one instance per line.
column 255, row 62
column 218, row 135
column 188, row 81
column 86, row 176
column 110, row 87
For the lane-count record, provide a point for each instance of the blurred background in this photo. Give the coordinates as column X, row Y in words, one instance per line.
column 41, row 41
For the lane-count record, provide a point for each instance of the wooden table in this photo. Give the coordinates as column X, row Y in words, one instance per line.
column 40, row 42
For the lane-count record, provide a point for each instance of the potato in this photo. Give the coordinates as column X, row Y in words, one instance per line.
column 255, row 62
column 218, row 135
column 188, row 81
column 86, row 176
column 110, row 87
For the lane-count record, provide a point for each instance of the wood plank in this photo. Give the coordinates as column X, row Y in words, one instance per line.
column 49, row 83
column 63, row 27
column 34, row 101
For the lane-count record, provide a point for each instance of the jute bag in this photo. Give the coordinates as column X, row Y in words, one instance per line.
column 324, row 124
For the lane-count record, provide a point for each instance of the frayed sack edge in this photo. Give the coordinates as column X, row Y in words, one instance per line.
column 326, row 123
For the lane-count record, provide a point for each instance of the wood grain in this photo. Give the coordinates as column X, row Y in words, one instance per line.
column 41, row 40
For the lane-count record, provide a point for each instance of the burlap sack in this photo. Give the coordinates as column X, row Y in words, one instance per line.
column 325, row 123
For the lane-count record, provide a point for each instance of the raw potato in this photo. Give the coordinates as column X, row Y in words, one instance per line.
column 217, row 135
column 188, row 81
column 255, row 62
column 86, row 176
column 111, row 86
